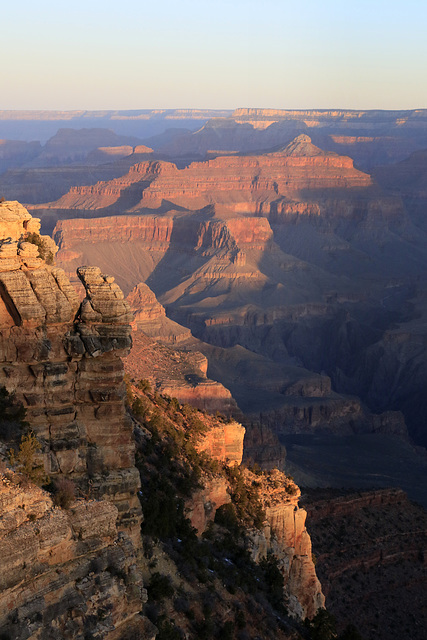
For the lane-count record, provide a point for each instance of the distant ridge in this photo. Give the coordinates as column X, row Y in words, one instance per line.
column 115, row 114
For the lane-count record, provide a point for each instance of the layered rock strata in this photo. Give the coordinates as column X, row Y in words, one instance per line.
column 150, row 317
column 285, row 535
column 224, row 442
column 63, row 362
column 244, row 184
column 178, row 373
column 65, row 573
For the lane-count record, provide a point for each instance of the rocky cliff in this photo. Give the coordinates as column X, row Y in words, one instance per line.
column 285, row 535
column 62, row 360
column 150, row 317
column 282, row 535
column 66, row 573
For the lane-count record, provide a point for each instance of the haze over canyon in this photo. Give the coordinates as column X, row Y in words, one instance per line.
column 269, row 266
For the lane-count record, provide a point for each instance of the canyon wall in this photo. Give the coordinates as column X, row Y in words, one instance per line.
column 66, row 573
column 64, row 364
column 285, row 536
column 245, row 184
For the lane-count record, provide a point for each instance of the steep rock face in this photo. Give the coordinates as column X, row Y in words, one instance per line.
column 220, row 248
column 262, row 446
column 150, row 317
column 225, row 442
column 283, row 534
column 53, row 563
column 104, row 194
column 154, row 230
column 66, row 369
column 339, row 414
column 286, row 537
column 204, row 503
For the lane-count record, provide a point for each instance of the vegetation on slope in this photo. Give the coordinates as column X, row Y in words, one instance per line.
column 209, row 586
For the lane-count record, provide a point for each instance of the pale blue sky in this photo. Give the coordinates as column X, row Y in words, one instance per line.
column 213, row 54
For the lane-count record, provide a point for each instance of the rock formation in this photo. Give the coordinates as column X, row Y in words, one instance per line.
column 245, row 184
column 64, row 364
column 150, row 317
column 62, row 360
column 262, row 446
column 286, row 537
column 178, row 373
column 369, row 137
column 65, row 573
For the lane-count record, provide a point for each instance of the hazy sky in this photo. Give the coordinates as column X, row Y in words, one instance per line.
column 130, row 54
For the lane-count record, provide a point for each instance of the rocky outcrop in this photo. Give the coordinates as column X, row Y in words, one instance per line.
column 220, row 247
column 224, row 442
column 285, row 536
column 283, row 533
column 65, row 573
column 150, row 317
column 64, row 364
column 15, row 221
column 178, row 373
column 204, row 503
column 335, row 414
column 262, row 446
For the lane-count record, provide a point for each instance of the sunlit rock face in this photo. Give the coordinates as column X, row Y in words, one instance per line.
column 244, row 184
column 62, row 360
column 285, row 536
column 67, row 571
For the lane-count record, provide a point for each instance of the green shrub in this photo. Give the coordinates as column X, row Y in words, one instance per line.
column 274, row 580
column 322, row 626
column 139, row 409
column 144, row 385
column 168, row 631
column 159, row 587
column 226, row 516
column 44, row 252
column 24, row 460
column 246, row 499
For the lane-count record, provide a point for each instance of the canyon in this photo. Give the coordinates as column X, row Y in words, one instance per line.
column 275, row 263
column 77, row 567
column 265, row 259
